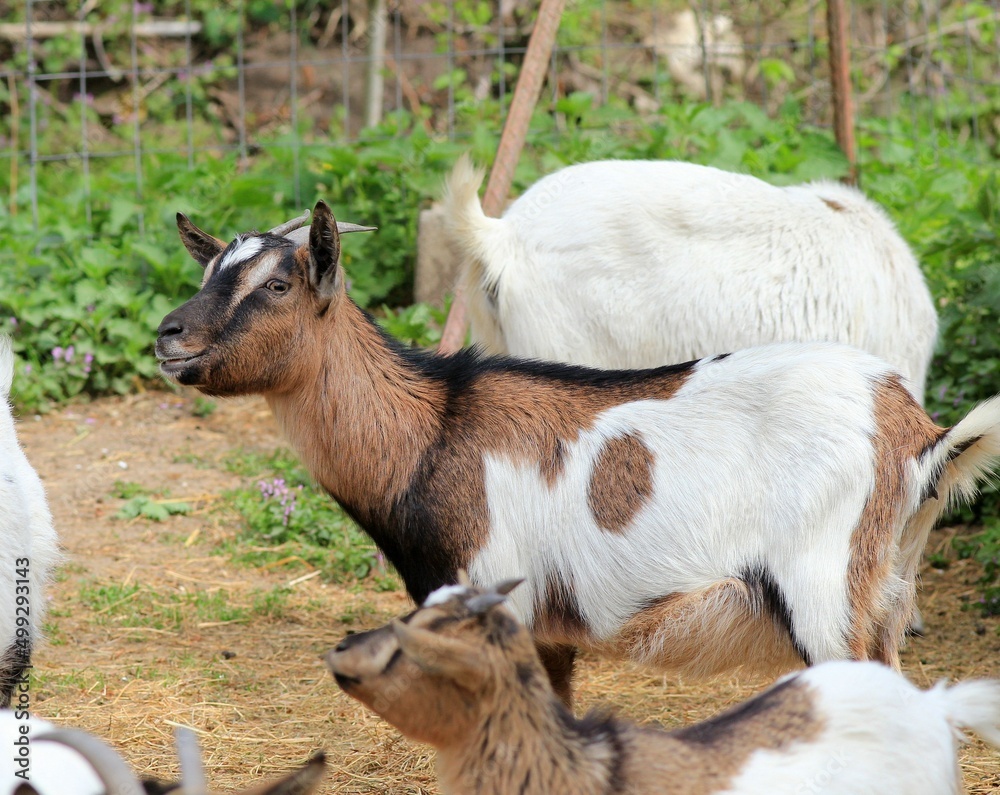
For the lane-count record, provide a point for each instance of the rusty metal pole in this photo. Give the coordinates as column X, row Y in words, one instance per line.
column 840, row 83
column 515, row 131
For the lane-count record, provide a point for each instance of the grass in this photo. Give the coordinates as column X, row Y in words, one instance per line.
column 140, row 607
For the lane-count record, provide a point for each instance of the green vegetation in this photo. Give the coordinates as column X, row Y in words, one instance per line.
column 288, row 520
column 136, row 606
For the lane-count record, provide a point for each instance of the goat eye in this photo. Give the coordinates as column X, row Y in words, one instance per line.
column 276, row 286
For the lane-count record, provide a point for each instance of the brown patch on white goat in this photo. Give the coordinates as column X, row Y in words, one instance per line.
column 878, row 619
column 621, row 483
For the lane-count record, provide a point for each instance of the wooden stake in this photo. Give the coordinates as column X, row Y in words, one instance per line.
column 515, row 131
column 840, row 83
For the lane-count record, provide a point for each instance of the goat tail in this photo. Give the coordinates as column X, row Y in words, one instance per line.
column 973, row 705
column 485, row 245
column 964, row 456
column 6, row 366
column 950, row 471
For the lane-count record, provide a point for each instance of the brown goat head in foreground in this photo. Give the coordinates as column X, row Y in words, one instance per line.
column 462, row 674
column 439, row 643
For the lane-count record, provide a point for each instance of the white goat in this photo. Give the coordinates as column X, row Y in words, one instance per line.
column 56, row 760
column 29, row 549
column 691, row 49
column 462, row 674
column 642, row 263
column 759, row 509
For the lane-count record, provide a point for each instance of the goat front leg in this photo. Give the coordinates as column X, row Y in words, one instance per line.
column 559, row 661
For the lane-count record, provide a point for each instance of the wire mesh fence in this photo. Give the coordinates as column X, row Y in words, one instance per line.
column 117, row 81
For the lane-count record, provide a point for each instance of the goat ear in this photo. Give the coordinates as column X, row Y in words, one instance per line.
column 301, row 782
column 435, row 654
column 200, row 245
column 324, row 252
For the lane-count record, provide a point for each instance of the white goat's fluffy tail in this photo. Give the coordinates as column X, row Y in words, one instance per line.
column 966, row 455
column 485, row 244
column 973, row 705
column 6, row 366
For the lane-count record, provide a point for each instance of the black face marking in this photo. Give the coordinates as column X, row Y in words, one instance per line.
column 396, row 657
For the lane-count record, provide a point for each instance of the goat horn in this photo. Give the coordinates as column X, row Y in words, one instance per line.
column 481, row 603
column 193, row 780
column 109, row 766
column 300, row 236
column 346, row 226
column 289, row 226
column 507, row 586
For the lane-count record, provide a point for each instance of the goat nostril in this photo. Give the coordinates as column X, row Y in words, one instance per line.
column 169, row 328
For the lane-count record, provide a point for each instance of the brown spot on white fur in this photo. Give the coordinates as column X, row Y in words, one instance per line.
column 836, row 206
column 621, row 482
column 881, row 602
column 707, row 632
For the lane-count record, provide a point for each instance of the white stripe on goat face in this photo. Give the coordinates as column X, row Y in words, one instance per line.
column 800, row 531
column 246, row 247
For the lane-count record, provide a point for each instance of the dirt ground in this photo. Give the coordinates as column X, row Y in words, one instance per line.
column 253, row 687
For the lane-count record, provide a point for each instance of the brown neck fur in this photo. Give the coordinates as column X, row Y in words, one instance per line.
column 527, row 743
column 356, row 413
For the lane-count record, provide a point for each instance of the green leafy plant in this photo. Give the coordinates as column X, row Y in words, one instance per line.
column 283, row 507
column 148, row 508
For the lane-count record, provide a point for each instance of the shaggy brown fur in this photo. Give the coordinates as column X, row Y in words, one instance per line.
column 468, row 682
column 877, row 627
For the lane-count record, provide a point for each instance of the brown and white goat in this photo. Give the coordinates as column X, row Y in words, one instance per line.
column 759, row 509
column 462, row 674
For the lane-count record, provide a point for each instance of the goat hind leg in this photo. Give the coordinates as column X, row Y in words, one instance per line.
column 559, row 661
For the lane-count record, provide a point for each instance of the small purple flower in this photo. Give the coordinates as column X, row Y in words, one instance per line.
column 69, row 353
column 90, row 421
column 27, row 369
column 13, row 322
column 57, row 353
column 90, row 307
